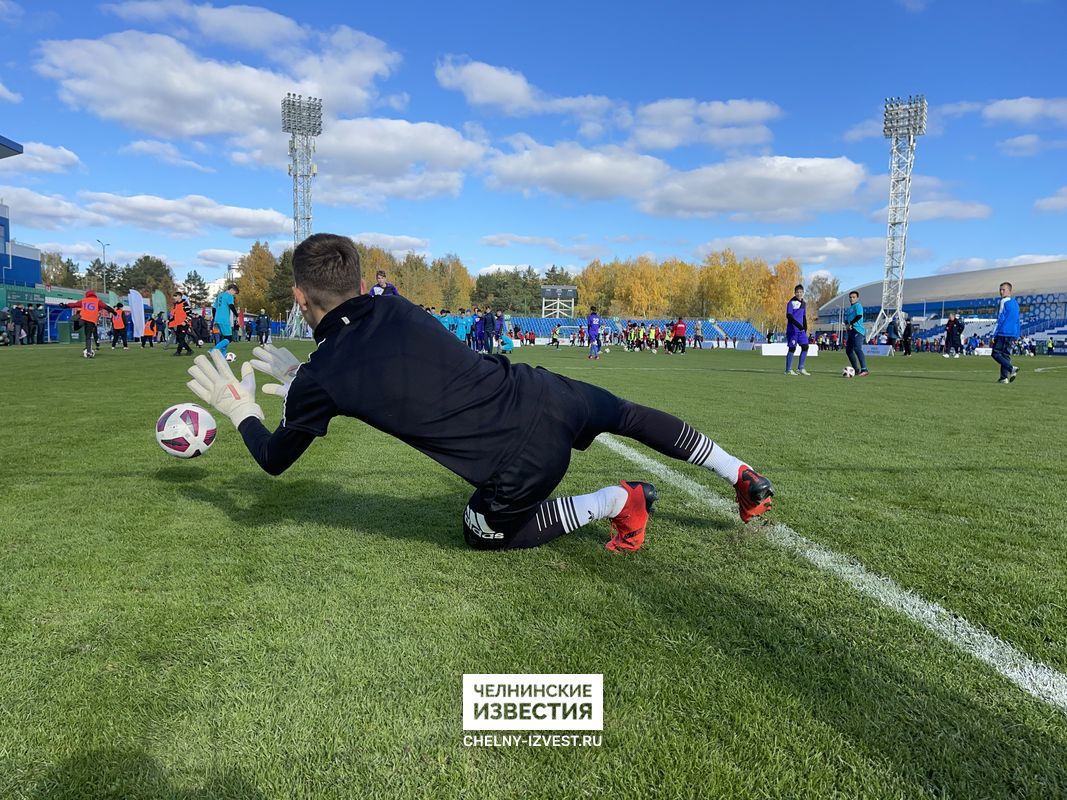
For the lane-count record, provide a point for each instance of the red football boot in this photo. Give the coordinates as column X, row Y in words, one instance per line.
column 629, row 524
column 754, row 493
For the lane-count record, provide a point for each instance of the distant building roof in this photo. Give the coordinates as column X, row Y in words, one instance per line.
column 1048, row 276
column 9, row 148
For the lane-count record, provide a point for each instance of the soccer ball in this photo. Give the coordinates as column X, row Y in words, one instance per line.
column 848, row 372
column 231, row 357
column 607, row 349
column 185, row 430
column 89, row 353
column 654, row 351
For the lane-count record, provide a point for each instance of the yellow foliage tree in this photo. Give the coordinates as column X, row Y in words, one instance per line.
column 257, row 269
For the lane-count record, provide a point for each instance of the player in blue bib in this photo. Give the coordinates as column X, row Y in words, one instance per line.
column 592, row 324
column 224, row 314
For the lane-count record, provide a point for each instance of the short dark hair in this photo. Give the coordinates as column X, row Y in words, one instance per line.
column 1006, row 284
column 233, row 286
column 325, row 266
column 798, row 287
column 853, row 292
column 380, row 273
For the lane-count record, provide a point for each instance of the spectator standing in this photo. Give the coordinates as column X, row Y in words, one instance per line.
column 40, row 315
column 1005, row 334
column 909, row 331
column 263, row 326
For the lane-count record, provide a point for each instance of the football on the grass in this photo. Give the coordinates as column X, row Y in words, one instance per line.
column 185, row 430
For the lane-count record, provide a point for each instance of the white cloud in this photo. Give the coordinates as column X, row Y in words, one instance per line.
column 508, row 90
column 87, row 251
column 1029, row 144
column 771, row 188
column 868, row 129
column 165, row 152
column 237, row 26
column 217, row 257
column 930, row 199
column 767, row 188
column 40, row 157
column 368, row 159
column 10, row 10
column 398, row 245
column 46, row 212
column 926, row 210
column 972, row 264
column 1027, row 110
column 849, row 251
column 581, row 250
column 9, row 96
column 503, row 268
column 155, row 83
column 573, row 170
column 1057, row 202
column 186, row 216
column 666, row 124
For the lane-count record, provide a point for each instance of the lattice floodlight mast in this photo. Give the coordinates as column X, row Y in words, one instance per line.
column 302, row 120
column 904, row 120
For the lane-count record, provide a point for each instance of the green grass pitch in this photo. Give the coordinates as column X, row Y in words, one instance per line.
column 198, row 629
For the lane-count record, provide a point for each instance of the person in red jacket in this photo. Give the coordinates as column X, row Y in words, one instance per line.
column 90, row 306
column 678, row 337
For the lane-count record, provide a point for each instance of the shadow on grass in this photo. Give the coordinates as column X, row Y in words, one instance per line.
column 935, row 738
column 261, row 502
column 180, row 474
column 132, row 775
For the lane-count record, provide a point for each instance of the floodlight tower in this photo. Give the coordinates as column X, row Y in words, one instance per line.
column 904, row 120
column 302, row 120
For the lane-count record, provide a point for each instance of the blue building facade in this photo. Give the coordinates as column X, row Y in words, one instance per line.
column 20, row 264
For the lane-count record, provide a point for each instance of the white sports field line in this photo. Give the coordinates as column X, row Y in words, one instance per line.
column 1033, row 677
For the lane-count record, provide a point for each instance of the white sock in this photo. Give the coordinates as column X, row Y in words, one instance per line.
column 709, row 455
column 602, row 504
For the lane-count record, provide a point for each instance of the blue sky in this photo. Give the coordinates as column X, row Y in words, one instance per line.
column 538, row 134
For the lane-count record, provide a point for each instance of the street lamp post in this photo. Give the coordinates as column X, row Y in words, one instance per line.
column 103, row 262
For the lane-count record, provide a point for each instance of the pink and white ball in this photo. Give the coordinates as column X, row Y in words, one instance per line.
column 185, row 430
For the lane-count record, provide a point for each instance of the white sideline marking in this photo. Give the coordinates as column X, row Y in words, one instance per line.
column 1033, row 677
column 1048, row 369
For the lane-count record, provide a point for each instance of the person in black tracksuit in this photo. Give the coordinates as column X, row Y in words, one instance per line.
column 909, row 331
column 263, row 326
column 507, row 429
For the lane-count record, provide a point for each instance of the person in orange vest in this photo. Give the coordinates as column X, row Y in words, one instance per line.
column 149, row 337
column 179, row 321
column 90, row 307
column 118, row 328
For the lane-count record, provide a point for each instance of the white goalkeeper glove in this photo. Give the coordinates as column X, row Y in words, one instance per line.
column 277, row 362
column 214, row 383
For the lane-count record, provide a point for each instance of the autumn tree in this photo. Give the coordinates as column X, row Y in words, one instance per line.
column 453, row 280
column 257, row 269
column 57, row 271
column 823, row 288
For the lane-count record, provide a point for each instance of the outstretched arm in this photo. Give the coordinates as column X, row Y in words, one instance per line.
column 274, row 452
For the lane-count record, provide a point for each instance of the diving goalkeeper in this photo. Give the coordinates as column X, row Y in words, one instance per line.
column 385, row 361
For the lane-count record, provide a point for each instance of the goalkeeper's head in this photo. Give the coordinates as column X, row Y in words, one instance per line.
column 325, row 274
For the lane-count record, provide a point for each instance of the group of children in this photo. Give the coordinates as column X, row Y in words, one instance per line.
column 181, row 324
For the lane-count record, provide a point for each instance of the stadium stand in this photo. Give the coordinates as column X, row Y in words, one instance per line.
column 1041, row 290
column 741, row 330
